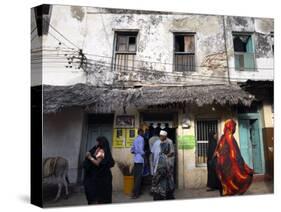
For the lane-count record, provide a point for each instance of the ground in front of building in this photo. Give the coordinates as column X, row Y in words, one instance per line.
column 79, row 198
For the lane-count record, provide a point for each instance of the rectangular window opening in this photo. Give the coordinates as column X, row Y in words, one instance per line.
column 244, row 52
column 125, row 51
column 184, row 52
column 203, row 129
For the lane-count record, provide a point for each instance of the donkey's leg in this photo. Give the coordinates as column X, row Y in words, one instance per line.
column 59, row 191
column 65, row 185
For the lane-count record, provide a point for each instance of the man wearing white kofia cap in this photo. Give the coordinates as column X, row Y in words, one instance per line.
column 163, row 167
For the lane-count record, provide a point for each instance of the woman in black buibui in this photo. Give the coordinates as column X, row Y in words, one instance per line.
column 213, row 182
column 98, row 177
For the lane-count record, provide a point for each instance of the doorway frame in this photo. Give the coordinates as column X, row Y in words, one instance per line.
column 83, row 143
column 258, row 117
column 176, row 120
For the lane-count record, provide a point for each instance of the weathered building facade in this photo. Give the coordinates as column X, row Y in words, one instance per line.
column 185, row 70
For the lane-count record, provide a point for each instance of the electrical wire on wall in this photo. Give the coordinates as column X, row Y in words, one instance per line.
column 85, row 60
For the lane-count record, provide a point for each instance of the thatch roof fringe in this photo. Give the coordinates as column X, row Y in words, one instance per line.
column 109, row 99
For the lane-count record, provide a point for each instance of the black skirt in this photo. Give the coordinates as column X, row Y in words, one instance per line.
column 98, row 185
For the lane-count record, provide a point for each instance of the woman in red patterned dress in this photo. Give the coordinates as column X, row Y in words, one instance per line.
column 234, row 174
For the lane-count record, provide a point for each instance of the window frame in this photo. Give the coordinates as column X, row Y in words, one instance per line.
column 198, row 165
column 123, row 32
column 243, row 69
column 127, row 34
column 184, row 53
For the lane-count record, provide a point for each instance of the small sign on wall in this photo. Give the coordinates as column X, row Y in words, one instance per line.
column 186, row 142
column 123, row 137
column 119, row 138
column 125, row 121
column 131, row 134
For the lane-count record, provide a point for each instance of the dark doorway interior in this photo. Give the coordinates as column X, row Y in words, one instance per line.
column 162, row 121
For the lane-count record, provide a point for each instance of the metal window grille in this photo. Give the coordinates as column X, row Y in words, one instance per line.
column 203, row 127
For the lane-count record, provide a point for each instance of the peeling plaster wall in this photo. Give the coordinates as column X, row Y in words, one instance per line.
column 93, row 30
column 155, row 43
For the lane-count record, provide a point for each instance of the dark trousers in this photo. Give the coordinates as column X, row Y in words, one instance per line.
column 138, row 169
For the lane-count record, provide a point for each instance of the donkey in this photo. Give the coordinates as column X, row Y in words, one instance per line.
column 55, row 171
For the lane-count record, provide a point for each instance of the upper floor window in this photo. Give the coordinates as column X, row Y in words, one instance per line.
column 126, row 42
column 244, row 52
column 125, row 50
column 184, row 52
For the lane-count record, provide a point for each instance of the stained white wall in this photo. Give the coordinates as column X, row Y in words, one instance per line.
column 62, row 135
column 92, row 29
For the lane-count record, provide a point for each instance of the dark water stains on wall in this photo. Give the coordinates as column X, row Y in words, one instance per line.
column 240, row 21
column 127, row 18
column 263, row 45
column 77, row 12
column 243, row 22
column 155, row 20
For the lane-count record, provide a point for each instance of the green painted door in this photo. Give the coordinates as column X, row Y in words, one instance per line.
column 96, row 130
column 250, row 143
column 256, row 145
column 244, row 137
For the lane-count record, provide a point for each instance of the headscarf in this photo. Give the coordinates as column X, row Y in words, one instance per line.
column 229, row 127
column 104, row 144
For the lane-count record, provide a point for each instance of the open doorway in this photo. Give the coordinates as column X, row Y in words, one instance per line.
column 162, row 121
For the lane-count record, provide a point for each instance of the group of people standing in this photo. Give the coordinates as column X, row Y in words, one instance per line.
column 227, row 171
column 161, row 166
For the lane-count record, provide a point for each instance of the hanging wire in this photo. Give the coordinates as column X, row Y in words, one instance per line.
column 163, row 63
column 61, row 34
column 129, row 69
column 152, row 71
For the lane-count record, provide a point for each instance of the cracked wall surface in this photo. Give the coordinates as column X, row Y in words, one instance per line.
column 93, row 31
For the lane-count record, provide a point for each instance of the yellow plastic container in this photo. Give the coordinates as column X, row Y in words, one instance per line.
column 128, row 184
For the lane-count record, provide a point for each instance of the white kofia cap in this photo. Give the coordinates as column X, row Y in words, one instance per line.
column 164, row 133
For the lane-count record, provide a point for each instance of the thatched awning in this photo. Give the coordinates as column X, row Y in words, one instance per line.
column 109, row 99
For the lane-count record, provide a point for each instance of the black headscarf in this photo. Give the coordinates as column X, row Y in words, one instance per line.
column 104, row 144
